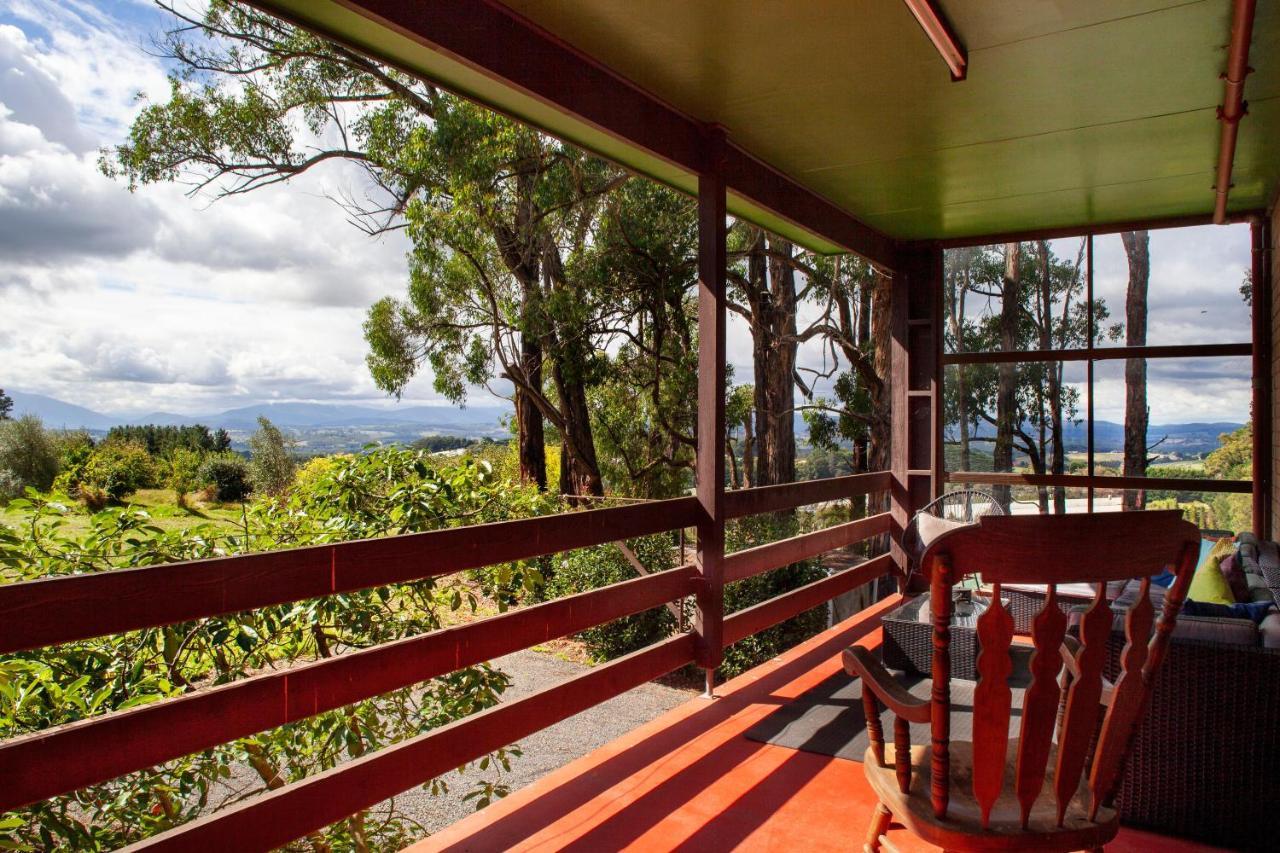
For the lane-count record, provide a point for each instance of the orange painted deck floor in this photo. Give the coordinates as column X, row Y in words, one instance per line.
column 690, row 780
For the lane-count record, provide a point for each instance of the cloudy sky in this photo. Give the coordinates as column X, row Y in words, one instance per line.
column 153, row 300
column 157, row 301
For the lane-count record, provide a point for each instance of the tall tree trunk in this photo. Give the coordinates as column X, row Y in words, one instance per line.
column 530, row 432
column 1137, row 250
column 779, row 454
column 861, row 447
column 771, row 298
column 1053, row 377
column 881, row 423
column 579, row 469
column 1007, row 376
column 748, row 453
column 958, row 285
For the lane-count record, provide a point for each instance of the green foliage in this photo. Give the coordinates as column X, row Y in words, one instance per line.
column 6, row 406
column 437, row 443
column 228, row 476
column 382, row 492
column 271, row 463
column 758, row 648
column 161, row 440
column 1198, row 513
column 1233, row 460
column 120, row 468
column 591, row 568
column 28, row 456
column 182, row 472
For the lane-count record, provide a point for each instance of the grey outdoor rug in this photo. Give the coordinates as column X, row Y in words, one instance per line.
column 828, row 719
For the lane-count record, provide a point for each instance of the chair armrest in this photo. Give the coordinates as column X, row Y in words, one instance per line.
column 863, row 663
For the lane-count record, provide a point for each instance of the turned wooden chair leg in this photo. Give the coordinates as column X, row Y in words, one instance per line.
column 879, row 826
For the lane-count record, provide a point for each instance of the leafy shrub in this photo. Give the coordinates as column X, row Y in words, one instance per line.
column 120, row 468
column 591, row 568
column 95, row 498
column 228, row 477
column 758, row 648
column 28, row 457
column 271, row 464
column 182, row 473
column 75, row 447
column 382, row 492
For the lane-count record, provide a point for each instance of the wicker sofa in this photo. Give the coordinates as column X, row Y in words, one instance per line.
column 1207, row 757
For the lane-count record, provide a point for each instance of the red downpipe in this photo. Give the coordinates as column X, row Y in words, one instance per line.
column 1233, row 105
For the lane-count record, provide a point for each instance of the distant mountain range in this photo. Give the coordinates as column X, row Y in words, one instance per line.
column 365, row 423
column 476, row 420
column 1108, row 437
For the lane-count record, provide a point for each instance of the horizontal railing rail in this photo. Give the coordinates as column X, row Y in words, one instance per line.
column 41, row 613
column 742, row 502
column 280, row 816
column 57, row 760
column 1099, row 354
column 70, row 757
column 752, row 561
column 1084, row 481
column 752, row 620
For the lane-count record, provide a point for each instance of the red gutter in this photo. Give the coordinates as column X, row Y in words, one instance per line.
column 1233, row 105
column 944, row 38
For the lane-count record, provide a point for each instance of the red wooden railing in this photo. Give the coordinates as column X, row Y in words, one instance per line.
column 65, row 758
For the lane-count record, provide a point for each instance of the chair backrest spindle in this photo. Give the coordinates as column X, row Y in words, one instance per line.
column 1054, row 550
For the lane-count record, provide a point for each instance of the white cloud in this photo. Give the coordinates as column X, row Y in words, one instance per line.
column 153, row 300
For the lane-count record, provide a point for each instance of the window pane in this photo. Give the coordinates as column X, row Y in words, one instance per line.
column 1198, row 417
column 1193, row 292
column 1050, row 290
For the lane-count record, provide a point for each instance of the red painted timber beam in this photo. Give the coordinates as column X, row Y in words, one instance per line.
column 58, row 610
column 279, row 817
column 1100, row 353
column 505, row 46
column 752, row 561
column 752, row 620
column 67, row 758
column 742, row 502
column 1080, row 481
column 1150, row 224
column 943, row 35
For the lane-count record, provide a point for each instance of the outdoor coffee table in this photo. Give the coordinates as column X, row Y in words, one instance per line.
column 908, row 637
column 908, row 630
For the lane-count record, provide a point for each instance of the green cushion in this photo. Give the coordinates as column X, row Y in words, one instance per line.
column 1209, row 585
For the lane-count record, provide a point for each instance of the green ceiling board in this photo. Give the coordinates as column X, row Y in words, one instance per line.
column 1074, row 113
column 850, row 99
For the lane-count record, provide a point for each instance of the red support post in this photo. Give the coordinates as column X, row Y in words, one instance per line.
column 712, row 260
column 1262, row 422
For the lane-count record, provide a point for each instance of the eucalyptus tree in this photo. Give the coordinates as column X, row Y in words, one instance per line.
column 1137, row 250
column 642, row 260
column 493, row 209
column 1035, row 302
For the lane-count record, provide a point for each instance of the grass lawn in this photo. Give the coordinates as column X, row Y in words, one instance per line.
column 157, row 502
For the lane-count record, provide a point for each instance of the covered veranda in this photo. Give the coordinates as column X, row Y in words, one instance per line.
column 885, row 128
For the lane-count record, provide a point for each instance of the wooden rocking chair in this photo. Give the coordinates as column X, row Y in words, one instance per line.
column 954, row 793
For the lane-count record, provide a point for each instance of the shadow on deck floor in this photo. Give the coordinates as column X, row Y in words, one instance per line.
column 690, row 781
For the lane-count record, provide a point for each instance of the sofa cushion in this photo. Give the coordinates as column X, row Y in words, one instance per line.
column 1254, row 611
column 1234, row 573
column 1269, row 631
column 1209, row 585
column 1240, row 632
column 930, row 527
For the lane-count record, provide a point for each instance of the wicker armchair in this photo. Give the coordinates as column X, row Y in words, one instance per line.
column 962, row 505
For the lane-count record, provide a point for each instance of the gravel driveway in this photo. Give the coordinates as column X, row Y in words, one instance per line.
column 550, row 748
